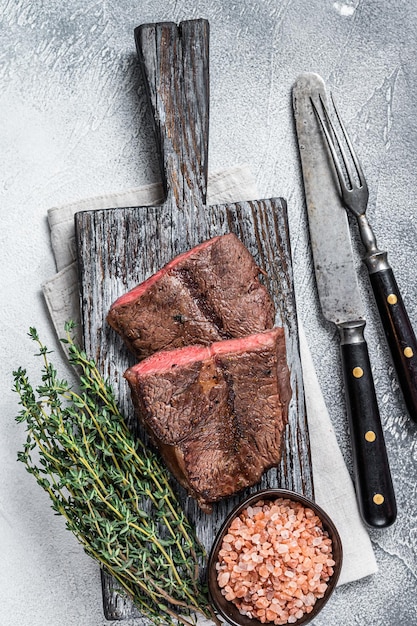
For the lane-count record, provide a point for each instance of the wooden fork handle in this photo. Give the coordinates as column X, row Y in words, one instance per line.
column 400, row 334
column 372, row 476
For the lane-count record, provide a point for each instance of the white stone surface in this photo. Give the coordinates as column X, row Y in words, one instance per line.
column 74, row 123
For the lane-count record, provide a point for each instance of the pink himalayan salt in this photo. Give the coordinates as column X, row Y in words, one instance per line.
column 275, row 561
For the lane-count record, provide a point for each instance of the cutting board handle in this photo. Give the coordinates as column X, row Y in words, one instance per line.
column 175, row 66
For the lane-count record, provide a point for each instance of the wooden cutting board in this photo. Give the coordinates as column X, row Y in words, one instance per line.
column 119, row 248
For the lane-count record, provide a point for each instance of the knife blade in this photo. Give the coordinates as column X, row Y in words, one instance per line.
column 341, row 303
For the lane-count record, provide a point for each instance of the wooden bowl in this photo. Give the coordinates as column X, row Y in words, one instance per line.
column 226, row 609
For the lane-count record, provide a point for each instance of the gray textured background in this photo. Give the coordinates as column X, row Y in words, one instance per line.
column 74, row 123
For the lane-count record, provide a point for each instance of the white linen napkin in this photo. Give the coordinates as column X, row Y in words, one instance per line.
column 334, row 490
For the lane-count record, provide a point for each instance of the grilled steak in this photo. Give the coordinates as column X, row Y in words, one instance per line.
column 216, row 413
column 209, row 293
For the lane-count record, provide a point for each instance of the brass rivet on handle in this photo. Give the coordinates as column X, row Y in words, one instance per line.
column 392, row 298
column 378, row 498
column 370, row 436
column 408, row 352
column 357, row 372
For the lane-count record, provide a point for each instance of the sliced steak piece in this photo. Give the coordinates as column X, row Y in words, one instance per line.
column 216, row 413
column 209, row 293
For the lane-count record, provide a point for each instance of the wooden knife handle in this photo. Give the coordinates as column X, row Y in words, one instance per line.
column 372, row 476
column 174, row 60
column 400, row 334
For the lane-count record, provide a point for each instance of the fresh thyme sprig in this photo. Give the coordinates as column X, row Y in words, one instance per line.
column 112, row 490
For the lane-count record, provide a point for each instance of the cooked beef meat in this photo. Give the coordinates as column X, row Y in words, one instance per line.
column 216, row 413
column 209, row 293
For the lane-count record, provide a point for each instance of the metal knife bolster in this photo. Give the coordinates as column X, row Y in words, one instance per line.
column 341, row 303
column 351, row 332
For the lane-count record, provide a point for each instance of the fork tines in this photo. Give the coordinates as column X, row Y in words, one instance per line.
column 345, row 172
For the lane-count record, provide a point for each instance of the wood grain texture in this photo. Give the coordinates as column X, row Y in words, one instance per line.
column 118, row 248
column 135, row 246
column 175, row 68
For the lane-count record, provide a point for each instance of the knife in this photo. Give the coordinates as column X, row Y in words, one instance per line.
column 341, row 303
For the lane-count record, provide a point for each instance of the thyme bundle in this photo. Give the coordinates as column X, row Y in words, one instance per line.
column 112, row 490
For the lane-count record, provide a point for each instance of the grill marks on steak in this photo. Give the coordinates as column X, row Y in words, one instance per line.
column 207, row 294
column 217, row 413
column 212, row 385
column 204, row 303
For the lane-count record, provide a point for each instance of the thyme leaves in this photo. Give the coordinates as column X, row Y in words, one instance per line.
column 112, row 490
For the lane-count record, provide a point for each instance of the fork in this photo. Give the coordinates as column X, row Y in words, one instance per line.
column 395, row 320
